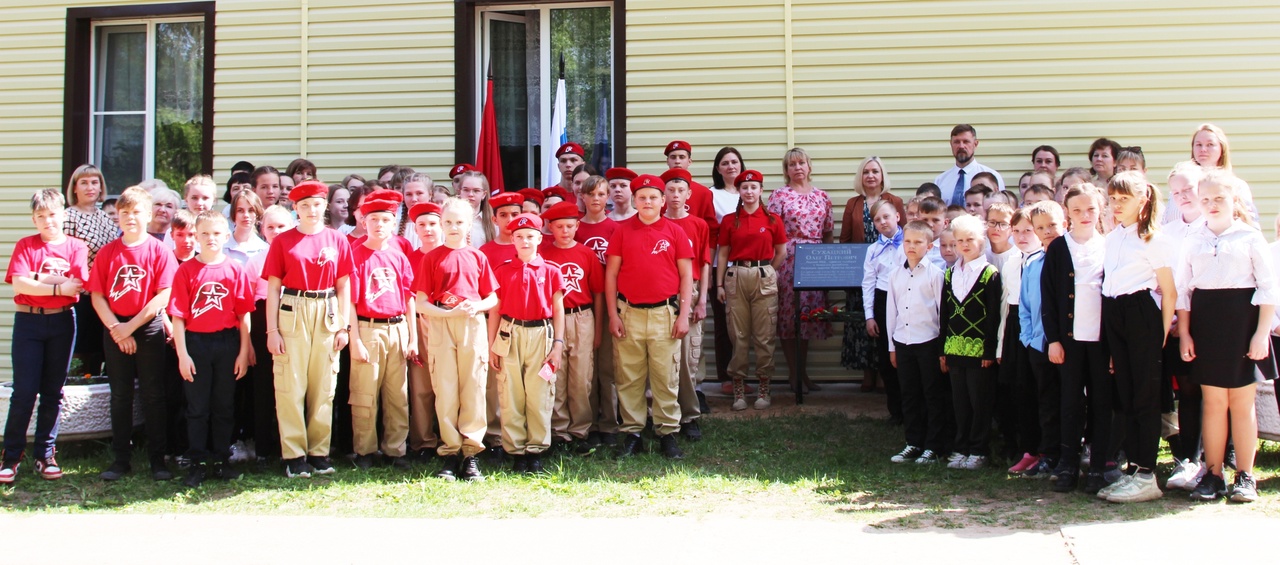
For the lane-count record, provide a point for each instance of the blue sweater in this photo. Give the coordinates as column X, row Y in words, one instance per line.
column 1030, row 314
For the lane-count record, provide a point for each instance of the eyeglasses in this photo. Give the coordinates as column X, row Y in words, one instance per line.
column 998, row 225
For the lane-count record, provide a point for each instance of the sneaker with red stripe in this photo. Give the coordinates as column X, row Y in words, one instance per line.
column 48, row 468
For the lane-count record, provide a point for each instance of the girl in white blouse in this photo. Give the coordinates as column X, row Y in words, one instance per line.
column 883, row 258
column 1226, row 299
column 1138, row 261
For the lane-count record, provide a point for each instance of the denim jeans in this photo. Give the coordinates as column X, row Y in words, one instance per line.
column 42, row 346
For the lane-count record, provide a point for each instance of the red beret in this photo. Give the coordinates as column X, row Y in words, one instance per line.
column 678, row 145
column 531, row 194
column 525, row 221
column 570, row 147
column 460, row 168
column 560, row 211
column 381, row 200
column 309, row 189
column 748, row 175
column 647, row 181
column 673, row 174
column 506, row 199
column 424, row 208
column 620, row 173
column 556, row 192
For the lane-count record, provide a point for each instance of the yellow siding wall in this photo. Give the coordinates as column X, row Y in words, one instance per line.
column 378, row 89
column 891, row 78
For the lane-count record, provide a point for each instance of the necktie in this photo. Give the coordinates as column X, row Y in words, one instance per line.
column 957, row 195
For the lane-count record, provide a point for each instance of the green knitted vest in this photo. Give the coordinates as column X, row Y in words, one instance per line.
column 965, row 337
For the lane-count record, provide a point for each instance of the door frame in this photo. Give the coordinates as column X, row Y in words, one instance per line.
column 467, row 68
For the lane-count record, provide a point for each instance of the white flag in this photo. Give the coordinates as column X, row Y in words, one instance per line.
column 555, row 137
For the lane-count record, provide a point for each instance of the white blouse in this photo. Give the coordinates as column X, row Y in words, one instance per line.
column 724, row 202
column 1087, row 260
column 1236, row 258
column 881, row 261
column 1130, row 264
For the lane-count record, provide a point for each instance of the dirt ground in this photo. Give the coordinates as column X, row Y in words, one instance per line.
column 846, row 398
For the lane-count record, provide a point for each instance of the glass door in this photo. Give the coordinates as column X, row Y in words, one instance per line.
column 506, row 41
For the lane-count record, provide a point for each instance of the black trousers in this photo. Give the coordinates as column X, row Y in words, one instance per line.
column 211, row 395
column 892, row 389
column 88, row 345
column 266, row 430
column 175, row 403
column 927, row 416
column 1048, row 403
column 1135, row 336
column 146, row 369
column 973, row 394
column 1189, row 402
column 720, row 325
column 1086, row 368
column 1016, row 409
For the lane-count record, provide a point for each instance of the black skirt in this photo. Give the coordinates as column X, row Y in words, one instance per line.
column 1222, row 323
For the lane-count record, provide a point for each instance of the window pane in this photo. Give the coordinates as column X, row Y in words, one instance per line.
column 507, row 52
column 119, row 149
column 179, row 101
column 122, row 69
column 584, row 37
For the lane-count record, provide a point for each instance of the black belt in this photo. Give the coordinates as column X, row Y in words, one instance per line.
column 37, row 310
column 527, row 323
column 391, row 320
column 577, row 309
column 309, row 293
column 749, row 263
column 668, row 302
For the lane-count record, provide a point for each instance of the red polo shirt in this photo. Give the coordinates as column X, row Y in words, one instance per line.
column 382, row 283
column 463, row 272
column 582, row 276
column 525, row 290
column 596, row 236
column 699, row 239
column 649, row 254
column 211, row 298
column 308, row 262
column 131, row 276
column 498, row 253
column 32, row 256
column 754, row 236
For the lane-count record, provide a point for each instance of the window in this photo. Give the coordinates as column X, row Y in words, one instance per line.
column 139, row 93
column 524, row 47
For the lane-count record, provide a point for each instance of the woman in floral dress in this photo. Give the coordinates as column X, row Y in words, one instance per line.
column 806, row 215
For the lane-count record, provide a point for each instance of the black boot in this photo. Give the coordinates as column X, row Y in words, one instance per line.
column 519, row 464
column 535, row 463
column 195, row 474
column 449, row 469
column 631, row 445
column 669, row 448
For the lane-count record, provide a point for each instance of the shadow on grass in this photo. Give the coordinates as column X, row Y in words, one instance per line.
column 812, row 466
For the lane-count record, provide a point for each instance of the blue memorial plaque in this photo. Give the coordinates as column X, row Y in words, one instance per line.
column 829, row 265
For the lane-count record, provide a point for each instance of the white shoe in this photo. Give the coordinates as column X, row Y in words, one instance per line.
column 739, row 404
column 1186, row 475
column 974, row 463
column 1106, row 491
column 1141, row 487
column 238, row 453
column 762, row 403
column 956, row 460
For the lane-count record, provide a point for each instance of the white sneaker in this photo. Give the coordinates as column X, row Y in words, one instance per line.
column 974, row 463
column 956, row 460
column 1107, row 490
column 1141, row 487
column 762, row 403
column 238, row 453
column 1186, row 475
column 740, row 404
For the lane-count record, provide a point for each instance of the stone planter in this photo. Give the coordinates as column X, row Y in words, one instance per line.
column 1268, row 412
column 86, row 411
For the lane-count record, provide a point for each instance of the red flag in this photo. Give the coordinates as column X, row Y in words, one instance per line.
column 488, row 159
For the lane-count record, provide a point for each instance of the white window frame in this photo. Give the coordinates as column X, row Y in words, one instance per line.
column 546, row 82
column 149, row 109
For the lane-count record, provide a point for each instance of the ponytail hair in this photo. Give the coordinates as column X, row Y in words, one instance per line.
column 1132, row 183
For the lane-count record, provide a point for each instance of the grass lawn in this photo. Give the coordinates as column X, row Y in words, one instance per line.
column 810, row 466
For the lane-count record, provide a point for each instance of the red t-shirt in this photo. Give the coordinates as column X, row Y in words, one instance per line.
column 131, row 276
column 596, row 236
column 649, row 254
column 211, row 298
column 463, row 272
column 754, row 237
column 525, row 289
column 383, row 282
column 308, row 262
column 32, row 256
column 498, row 253
column 582, row 276
column 404, row 245
column 699, row 239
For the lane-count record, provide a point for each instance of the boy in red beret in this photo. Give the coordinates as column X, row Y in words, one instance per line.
column 701, row 202
column 677, row 192
column 423, row 438
column 130, row 282
column 385, row 340
column 648, row 284
column 593, row 232
column 532, row 200
column 620, row 193
column 308, row 271
column 212, row 299
column 568, row 157
column 506, row 206
column 555, row 195
column 583, row 277
column 527, row 345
